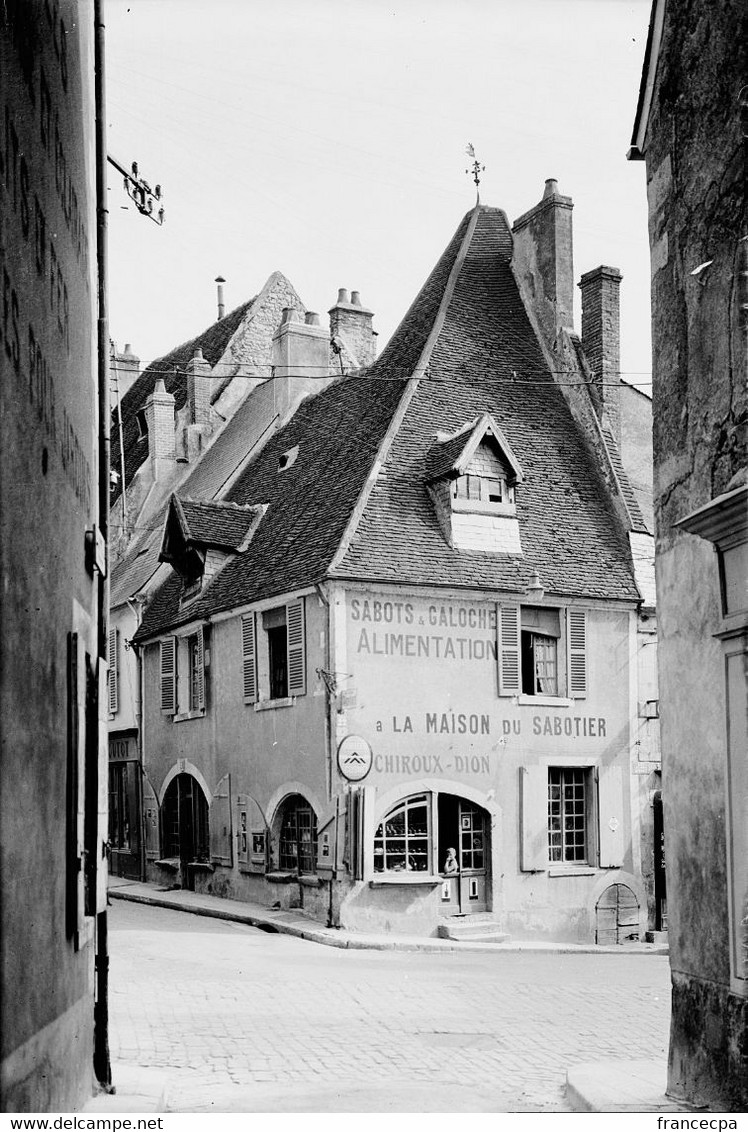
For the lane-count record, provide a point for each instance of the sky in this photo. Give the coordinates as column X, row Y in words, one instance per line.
column 327, row 139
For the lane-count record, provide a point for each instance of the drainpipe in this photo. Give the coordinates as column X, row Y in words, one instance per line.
column 102, row 1066
column 328, row 748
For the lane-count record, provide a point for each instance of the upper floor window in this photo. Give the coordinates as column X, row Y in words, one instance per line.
column 274, row 653
column 182, row 671
column 542, row 651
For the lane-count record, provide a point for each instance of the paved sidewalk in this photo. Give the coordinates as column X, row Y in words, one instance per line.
column 299, row 925
column 620, row 1086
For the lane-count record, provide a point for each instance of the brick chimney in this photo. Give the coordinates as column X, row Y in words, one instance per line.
column 543, row 257
column 601, row 334
column 198, row 389
column 159, row 417
column 352, row 324
column 127, row 369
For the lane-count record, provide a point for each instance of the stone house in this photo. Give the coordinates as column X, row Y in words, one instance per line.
column 412, row 629
column 189, row 422
column 691, row 128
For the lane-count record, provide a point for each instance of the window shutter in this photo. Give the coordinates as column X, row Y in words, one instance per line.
column 243, row 833
column 169, row 676
column 296, row 648
column 610, row 813
column 219, row 821
column 576, row 625
column 249, row 657
column 150, row 821
column 508, row 629
column 200, row 646
column 533, row 783
column 113, row 675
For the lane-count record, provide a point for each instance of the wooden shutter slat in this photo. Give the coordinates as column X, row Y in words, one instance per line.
column 113, row 682
column 577, row 653
column 200, row 645
column 508, row 630
column 249, row 658
column 296, row 639
column 534, row 818
column 610, row 814
column 169, row 676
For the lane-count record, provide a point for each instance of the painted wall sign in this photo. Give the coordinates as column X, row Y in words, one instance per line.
column 354, row 758
column 123, row 750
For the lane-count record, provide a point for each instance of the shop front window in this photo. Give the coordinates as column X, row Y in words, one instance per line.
column 297, row 851
column 402, row 842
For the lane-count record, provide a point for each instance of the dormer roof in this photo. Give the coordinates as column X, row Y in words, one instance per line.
column 450, row 455
column 193, row 525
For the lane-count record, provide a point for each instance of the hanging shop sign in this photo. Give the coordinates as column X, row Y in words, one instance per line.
column 354, row 758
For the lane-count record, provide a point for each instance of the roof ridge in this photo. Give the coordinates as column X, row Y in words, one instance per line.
column 449, row 289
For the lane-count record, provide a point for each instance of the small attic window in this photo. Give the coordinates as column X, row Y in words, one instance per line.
column 142, row 422
column 482, row 489
column 288, row 458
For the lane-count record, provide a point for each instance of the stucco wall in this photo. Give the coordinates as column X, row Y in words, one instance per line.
column 435, row 722
column 269, row 752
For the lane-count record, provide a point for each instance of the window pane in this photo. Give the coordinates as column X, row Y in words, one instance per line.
column 567, row 822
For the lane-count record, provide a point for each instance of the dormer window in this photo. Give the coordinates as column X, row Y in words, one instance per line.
column 201, row 537
column 483, row 489
column 471, row 476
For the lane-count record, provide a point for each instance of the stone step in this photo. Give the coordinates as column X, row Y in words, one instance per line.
column 473, row 929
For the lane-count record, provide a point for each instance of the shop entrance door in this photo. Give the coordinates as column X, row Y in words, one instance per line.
column 463, row 826
column 185, row 826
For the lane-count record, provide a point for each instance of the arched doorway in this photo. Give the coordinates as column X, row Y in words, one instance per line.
column 465, row 828
column 185, row 830
column 617, row 915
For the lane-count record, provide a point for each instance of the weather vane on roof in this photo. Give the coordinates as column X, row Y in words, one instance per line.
column 476, row 170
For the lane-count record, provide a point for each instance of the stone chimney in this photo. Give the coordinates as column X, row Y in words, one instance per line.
column 352, row 324
column 601, row 341
column 543, row 258
column 300, row 346
column 159, row 418
column 198, row 389
column 127, row 369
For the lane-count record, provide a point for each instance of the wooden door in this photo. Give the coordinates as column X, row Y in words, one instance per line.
column 472, row 856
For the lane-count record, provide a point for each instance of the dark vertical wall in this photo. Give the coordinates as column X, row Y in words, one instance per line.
column 696, row 190
column 48, row 498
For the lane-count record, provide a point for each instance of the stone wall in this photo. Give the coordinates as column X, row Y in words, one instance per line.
column 696, row 190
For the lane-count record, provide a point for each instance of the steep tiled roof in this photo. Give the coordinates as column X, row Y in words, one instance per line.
column 338, row 432
column 483, row 358
column 213, row 343
column 216, row 524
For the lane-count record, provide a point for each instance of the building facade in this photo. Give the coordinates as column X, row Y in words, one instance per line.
column 190, row 421
column 52, row 556
column 393, row 678
column 691, row 128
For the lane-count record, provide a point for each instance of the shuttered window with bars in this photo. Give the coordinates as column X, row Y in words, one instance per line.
column 532, row 659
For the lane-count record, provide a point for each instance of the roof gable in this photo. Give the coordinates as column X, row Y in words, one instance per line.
column 451, row 455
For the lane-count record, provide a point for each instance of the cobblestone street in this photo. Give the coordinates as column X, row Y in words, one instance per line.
column 242, row 1020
